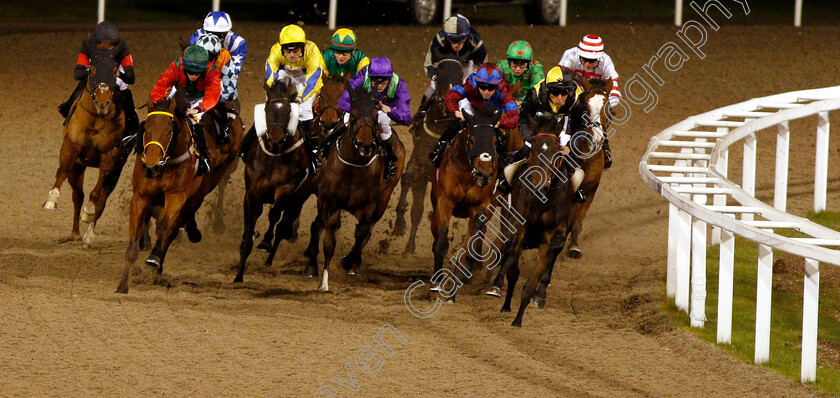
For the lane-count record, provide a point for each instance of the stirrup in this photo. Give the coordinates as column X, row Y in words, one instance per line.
column 607, row 160
column 390, row 170
column 203, row 167
column 578, row 196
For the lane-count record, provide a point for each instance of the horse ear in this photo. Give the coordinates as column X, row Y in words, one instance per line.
column 497, row 115
column 468, row 117
column 587, row 86
column 182, row 43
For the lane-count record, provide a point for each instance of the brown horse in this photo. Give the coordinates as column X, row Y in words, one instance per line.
column 425, row 132
column 352, row 180
column 327, row 112
column 463, row 185
column 164, row 176
column 586, row 146
column 92, row 139
column 541, row 202
column 275, row 172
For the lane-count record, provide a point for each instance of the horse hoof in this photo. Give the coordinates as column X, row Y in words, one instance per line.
column 310, row 271
column 238, row 279
column 88, row 211
column 265, row 246
column 50, row 205
column 435, row 288
column 399, row 228
column 574, row 253
column 194, row 235
column 504, row 310
column 293, row 237
column 354, row 270
column 153, row 261
column 52, row 199
column 494, row 291
column 349, row 264
column 517, row 324
column 323, row 288
column 539, row 302
column 409, row 248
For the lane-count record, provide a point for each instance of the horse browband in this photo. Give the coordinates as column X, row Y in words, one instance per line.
column 158, row 144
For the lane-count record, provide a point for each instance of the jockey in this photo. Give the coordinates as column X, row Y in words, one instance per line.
column 219, row 24
column 221, row 58
column 298, row 60
column 521, row 67
column 557, row 96
column 588, row 60
column 202, row 82
column 107, row 37
column 342, row 58
column 483, row 87
column 457, row 40
column 379, row 79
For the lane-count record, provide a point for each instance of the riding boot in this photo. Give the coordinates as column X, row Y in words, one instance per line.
column 607, row 154
column 201, row 147
column 522, row 153
column 390, row 157
column 247, row 140
column 310, row 141
column 64, row 107
column 579, row 196
column 131, row 120
column 440, row 146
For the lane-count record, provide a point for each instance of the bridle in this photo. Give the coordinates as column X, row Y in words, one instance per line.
column 172, row 135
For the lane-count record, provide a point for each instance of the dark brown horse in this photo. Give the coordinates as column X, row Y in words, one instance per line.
column 352, row 180
column 327, row 112
column 463, row 185
column 425, row 132
column 92, row 139
column 164, row 176
column 586, row 146
column 541, row 202
column 275, row 172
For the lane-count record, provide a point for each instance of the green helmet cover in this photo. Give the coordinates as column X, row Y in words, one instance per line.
column 521, row 50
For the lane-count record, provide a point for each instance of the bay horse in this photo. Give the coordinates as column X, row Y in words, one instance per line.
column 463, row 185
column 164, row 177
column 425, row 132
column 327, row 112
column 541, row 200
column 92, row 138
column 352, row 180
column 275, row 172
column 586, row 145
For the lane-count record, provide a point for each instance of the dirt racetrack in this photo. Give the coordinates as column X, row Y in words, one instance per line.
column 63, row 332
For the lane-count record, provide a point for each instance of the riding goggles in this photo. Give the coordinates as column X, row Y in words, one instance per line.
column 558, row 90
column 517, row 63
column 486, row 86
column 379, row 79
column 588, row 60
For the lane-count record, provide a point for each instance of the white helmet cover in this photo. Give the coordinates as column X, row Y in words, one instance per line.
column 217, row 21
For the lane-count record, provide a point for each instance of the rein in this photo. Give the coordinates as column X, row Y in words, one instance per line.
column 355, row 145
column 184, row 156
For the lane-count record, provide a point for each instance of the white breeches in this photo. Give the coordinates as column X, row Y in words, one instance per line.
column 384, row 124
column 300, row 83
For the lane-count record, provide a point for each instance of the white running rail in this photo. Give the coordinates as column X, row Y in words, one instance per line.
column 685, row 167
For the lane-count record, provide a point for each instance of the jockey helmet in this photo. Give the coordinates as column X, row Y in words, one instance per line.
column 488, row 74
column 591, row 47
column 292, row 37
column 456, row 27
column 560, row 77
column 195, row 59
column 211, row 43
column 380, row 67
column 343, row 40
column 520, row 50
column 218, row 22
column 106, row 31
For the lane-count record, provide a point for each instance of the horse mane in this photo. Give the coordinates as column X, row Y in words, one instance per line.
column 599, row 84
column 181, row 104
column 362, row 103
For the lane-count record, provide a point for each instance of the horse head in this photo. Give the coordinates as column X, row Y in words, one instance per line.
column 328, row 112
column 546, row 155
column 596, row 119
column 363, row 122
column 102, row 80
column 165, row 128
column 480, row 143
column 281, row 115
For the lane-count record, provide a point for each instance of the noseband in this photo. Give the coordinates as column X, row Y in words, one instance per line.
column 172, row 134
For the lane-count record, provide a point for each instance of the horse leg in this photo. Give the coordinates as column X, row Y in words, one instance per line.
column 331, row 225
column 440, row 232
column 167, row 229
column 476, row 226
column 311, row 252
column 352, row 261
column 218, row 210
column 274, row 213
column 555, row 246
column 418, row 203
column 66, row 161
column 252, row 210
column 511, row 251
column 285, row 228
column 402, row 202
column 76, row 179
column 512, row 272
column 109, row 174
column 137, row 223
column 578, row 214
column 546, row 254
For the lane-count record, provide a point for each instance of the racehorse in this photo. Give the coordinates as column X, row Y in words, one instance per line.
column 164, row 176
column 328, row 113
column 92, row 138
column 587, row 150
column 275, row 172
column 352, row 180
column 541, row 202
column 425, row 133
column 463, row 185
